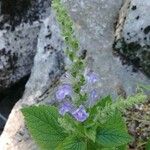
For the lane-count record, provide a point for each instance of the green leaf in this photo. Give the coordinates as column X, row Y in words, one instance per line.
column 101, row 104
column 113, row 148
column 93, row 146
column 90, row 132
column 105, row 101
column 43, row 126
column 115, row 120
column 93, row 111
column 112, row 137
column 120, row 104
column 147, row 147
column 71, row 126
column 73, row 143
column 68, row 123
column 145, row 87
column 123, row 147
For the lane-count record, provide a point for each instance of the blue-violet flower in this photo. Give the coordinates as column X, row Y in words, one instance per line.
column 64, row 108
column 80, row 114
column 63, row 91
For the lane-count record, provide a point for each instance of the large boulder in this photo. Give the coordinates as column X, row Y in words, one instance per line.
column 47, row 69
column 133, row 32
column 94, row 23
column 19, row 29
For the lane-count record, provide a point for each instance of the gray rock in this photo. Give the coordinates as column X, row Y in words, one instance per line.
column 94, row 23
column 133, row 32
column 19, row 29
column 47, row 69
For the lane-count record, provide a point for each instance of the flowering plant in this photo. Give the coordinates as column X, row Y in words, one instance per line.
column 81, row 120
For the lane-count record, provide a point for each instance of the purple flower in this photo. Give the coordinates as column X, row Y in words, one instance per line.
column 63, row 91
column 80, row 114
column 92, row 77
column 64, row 108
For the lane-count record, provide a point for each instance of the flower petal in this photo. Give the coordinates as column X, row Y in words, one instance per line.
column 63, row 91
column 80, row 114
column 64, row 108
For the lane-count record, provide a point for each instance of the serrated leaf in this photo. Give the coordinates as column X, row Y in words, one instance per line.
column 43, row 126
column 68, row 123
column 93, row 111
column 111, row 137
column 145, row 87
column 123, row 147
column 91, row 133
column 93, row 146
column 105, row 101
column 100, row 104
column 115, row 120
column 71, row 125
column 113, row 148
column 73, row 143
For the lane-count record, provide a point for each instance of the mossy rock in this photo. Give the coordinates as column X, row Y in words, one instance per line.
column 132, row 40
column 134, row 53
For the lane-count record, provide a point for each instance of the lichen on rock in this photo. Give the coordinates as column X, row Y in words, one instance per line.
column 132, row 34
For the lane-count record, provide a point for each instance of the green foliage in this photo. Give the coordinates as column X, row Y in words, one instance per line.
column 147, row 147
column 112, row 137
column 100, row 105
column 90, row 132
column 113, row 132
column 120, row 104
column 145, row 87
column 73, row 143
column 67, row 27
column 105, row 129
column 124, row 147
column 52, row 131
column 68, row 123
column 115, row 120
column 43, row 126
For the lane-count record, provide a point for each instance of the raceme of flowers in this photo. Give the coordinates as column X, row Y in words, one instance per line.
column 65, row 93
column 82, row 120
